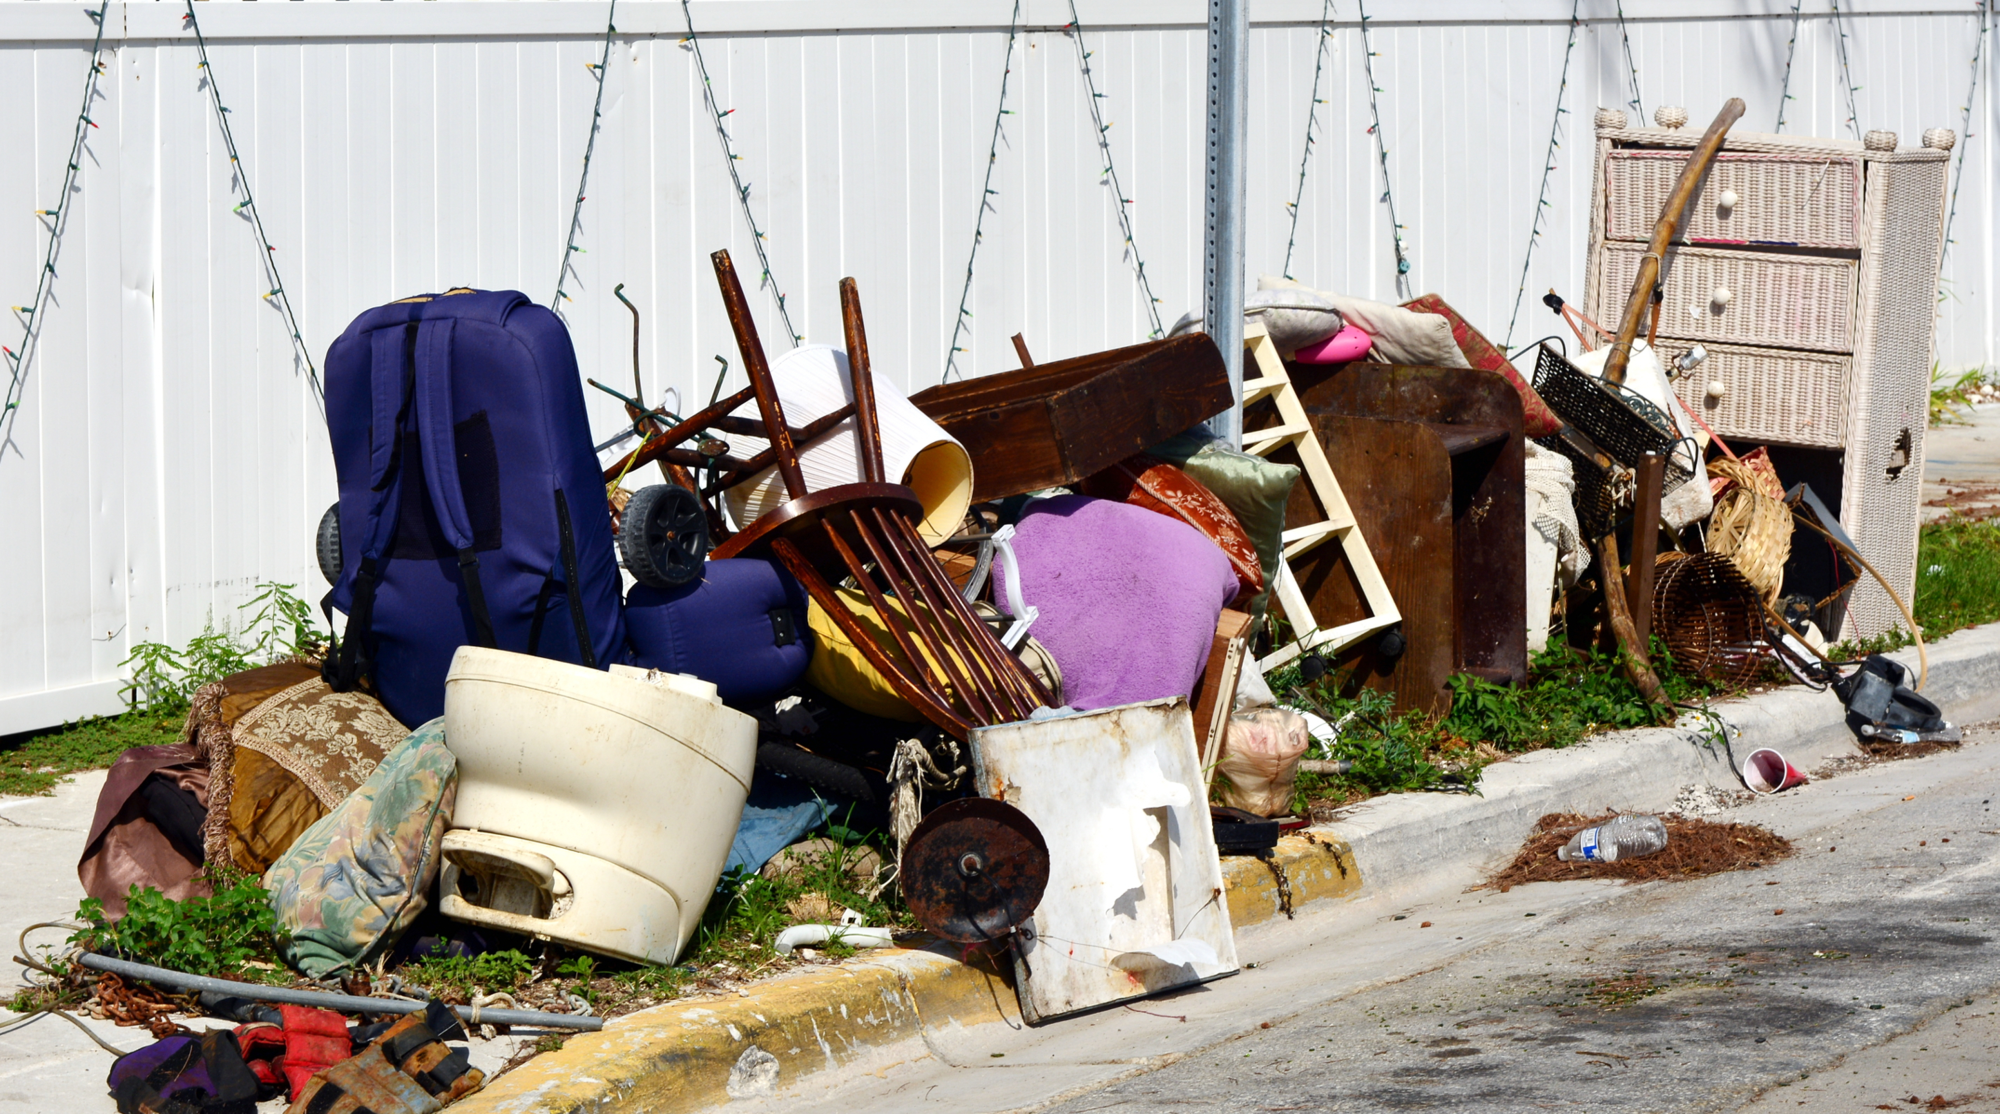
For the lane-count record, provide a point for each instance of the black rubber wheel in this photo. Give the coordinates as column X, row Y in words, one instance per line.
column 328, row 544
column 1392, row 644
column 664, row 539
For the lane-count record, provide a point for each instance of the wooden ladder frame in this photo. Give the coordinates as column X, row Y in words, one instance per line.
column 1295, row 428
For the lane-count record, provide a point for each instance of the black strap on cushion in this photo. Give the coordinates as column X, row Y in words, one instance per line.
column 475, row 595
column 575, row 589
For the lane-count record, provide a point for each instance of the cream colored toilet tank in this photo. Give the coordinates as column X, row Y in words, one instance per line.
column 594, row 808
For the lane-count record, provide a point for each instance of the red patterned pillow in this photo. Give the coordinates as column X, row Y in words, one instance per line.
column 1537, row 419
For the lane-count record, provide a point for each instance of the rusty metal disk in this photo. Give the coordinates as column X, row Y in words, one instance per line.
column 974, row 869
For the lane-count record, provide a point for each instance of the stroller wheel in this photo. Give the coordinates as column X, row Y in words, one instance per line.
column 328, row 544
column 664, row 539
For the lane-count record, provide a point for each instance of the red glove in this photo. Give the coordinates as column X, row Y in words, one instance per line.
column 314, row 1040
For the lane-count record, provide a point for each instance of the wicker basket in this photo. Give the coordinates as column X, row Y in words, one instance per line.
column 1792, row 301
column 1709, row 616
column 1751, row 528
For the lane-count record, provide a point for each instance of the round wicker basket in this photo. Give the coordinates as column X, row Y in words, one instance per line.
column 1709, row 616
column 1751, row 528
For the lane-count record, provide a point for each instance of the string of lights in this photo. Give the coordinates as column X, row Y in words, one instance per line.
column 1791, row 52
column 692, row 44
column 1121, row 204
column 1312, row 123
column 1846, row 72
column 986, row 194
column 1382, row 151
column 1965, row 136
column 570, row 246
column 57, row 219
column 1548, row 168
column 1631, row 65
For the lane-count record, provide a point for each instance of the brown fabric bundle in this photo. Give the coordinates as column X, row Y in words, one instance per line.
column 292, row 757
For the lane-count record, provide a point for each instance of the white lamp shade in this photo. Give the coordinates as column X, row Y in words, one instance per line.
column 812, row 381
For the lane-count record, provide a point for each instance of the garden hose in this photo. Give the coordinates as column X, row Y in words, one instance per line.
column 1917, row 636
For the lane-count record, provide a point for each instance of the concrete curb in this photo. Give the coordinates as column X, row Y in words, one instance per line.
column 697, row 1054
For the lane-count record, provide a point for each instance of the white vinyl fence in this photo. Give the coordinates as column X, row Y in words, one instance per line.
column 167, row 454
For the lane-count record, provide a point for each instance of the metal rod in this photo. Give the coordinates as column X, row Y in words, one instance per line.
column 345, row 1003
column 1222, row 286
column 638, row 388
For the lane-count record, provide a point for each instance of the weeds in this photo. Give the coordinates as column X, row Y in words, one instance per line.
column 1958, row 576
column 492, row 972
column 165, row 679
column 216, row 935
column 743, row 919
column 1569, row 694
column 1950, row 396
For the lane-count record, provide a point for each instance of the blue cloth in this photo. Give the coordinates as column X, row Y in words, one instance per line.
column 780, row 812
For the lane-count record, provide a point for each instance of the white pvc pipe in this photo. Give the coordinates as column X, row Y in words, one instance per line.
column 854, row 936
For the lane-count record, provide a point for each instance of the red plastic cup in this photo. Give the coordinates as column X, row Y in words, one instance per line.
column 1766, row 771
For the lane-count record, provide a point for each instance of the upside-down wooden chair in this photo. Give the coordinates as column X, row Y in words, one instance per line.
column 953, row 670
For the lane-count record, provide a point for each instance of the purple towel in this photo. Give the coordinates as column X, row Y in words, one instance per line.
column 1129, row 598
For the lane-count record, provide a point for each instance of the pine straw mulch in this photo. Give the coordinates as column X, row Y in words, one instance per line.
column 1695, row 849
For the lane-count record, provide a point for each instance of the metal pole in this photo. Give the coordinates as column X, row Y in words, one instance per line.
column 1222, row 276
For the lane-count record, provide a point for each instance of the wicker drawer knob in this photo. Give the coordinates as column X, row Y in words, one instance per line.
column 1720, row 296
column 1727, row 201
column 1716, row 389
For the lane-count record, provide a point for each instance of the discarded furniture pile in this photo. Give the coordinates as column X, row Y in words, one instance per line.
column 1021, row 623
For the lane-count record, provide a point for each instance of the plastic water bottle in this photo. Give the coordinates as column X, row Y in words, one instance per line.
column 1625, row 837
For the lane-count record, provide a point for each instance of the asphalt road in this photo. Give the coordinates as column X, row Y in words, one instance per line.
column 1685, row 996
column 1875, row 983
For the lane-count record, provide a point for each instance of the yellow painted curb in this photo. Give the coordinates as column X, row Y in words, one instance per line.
column 1317, row 867
column 681, row 1056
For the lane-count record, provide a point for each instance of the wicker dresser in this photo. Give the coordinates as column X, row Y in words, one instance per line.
column 1808, row 270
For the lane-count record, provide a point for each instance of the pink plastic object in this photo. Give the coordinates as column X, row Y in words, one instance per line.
column 1347, row 345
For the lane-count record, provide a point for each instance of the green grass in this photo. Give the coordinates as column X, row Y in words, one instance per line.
column 1958, row 586
column 1958, row 576
column 35, row 764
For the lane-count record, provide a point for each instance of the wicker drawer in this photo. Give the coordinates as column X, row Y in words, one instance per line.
column 1794, row 200
column 1771, row 394
column 1791, row 301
